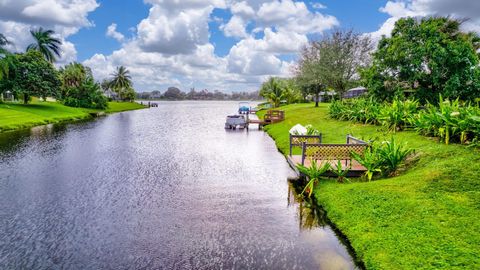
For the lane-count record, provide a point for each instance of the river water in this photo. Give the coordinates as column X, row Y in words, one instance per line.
column 160, row 188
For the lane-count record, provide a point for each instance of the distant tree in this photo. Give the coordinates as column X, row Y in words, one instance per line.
column 121, row 83
column 33, row 76
column 46, row 44
column 292, row 90
column 273, row 90
column 173, row 93
column 428, row 57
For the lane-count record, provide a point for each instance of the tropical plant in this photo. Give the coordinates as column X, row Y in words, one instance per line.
column 4, row 63
column 311, row 130
column 79, row 89
column 397, row 115
column 46, row 44
column 391, row 155
column 273, row 91
column 313, row 173
column 370, row 160
column 340, row 172
column 121, row 83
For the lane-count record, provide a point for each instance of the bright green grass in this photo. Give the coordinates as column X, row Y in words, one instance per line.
column 428, row 217
column 17, row 116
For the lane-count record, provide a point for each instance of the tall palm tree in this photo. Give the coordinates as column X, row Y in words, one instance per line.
column 4, row 61
column 46, row 44
column 121, row 79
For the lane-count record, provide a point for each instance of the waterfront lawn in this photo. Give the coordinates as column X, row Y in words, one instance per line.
column 16, row 116
column 123, row 106
column 428, row 217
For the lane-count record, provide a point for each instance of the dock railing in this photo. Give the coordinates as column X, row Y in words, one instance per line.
column 299, row 140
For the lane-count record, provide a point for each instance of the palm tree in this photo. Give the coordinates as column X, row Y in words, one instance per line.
column 121, row 79
column 46, row 44
column 273, row 91
column 4, row 63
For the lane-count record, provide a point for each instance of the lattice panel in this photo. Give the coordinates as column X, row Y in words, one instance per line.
column 333, row 152
column 308, row 140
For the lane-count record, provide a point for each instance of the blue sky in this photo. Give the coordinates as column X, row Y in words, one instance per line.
column 227, row 45
column 92, row 40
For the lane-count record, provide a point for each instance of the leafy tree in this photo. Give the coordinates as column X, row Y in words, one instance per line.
column 273, row 91
column 173, row 93
column 32, row 75
column 333, row 62
column 46, row 44
column 428, row 57
column 79, row 88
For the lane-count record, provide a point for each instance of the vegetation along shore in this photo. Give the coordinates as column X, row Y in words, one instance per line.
column 416, row 204
column 28, row 77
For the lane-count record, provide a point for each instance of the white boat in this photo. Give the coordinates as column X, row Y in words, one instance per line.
column 234, row 121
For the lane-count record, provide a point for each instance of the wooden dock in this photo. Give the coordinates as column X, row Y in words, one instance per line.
column 271, row 117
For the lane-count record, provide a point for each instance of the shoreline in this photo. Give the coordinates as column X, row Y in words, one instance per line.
column 45, row 113
column 425, row 217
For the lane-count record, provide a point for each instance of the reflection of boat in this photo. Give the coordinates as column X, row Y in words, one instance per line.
column 244, row 107
column 234, row 121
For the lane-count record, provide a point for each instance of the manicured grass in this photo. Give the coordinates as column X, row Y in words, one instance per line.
column 428, row 217
column 123, row 106
column 17, row 116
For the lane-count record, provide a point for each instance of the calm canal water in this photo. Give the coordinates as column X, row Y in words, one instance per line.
column 161, row 188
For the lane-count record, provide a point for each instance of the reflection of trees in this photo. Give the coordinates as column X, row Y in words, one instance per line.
column 309, row 214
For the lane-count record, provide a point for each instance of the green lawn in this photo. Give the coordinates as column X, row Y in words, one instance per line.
column 16, row 116
column 428, row 217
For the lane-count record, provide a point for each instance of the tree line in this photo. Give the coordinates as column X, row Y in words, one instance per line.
column 174, row 93
column 32, row 73
column 422, row 59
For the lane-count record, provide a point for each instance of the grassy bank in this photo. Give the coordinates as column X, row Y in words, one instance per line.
column 427, row 217
column 17, row 116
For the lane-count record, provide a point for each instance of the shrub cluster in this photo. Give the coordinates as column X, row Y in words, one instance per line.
column 451, row 121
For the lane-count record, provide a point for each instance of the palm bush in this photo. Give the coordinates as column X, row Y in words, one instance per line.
column 340, row 172
column 370, row 160
column 313, row 173
column 391, row 155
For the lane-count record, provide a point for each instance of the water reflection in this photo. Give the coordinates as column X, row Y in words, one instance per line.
column 309, row 215
column 163, row 188
column 311, row 218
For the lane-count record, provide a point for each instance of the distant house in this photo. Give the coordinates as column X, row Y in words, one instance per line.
column 355, row 92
